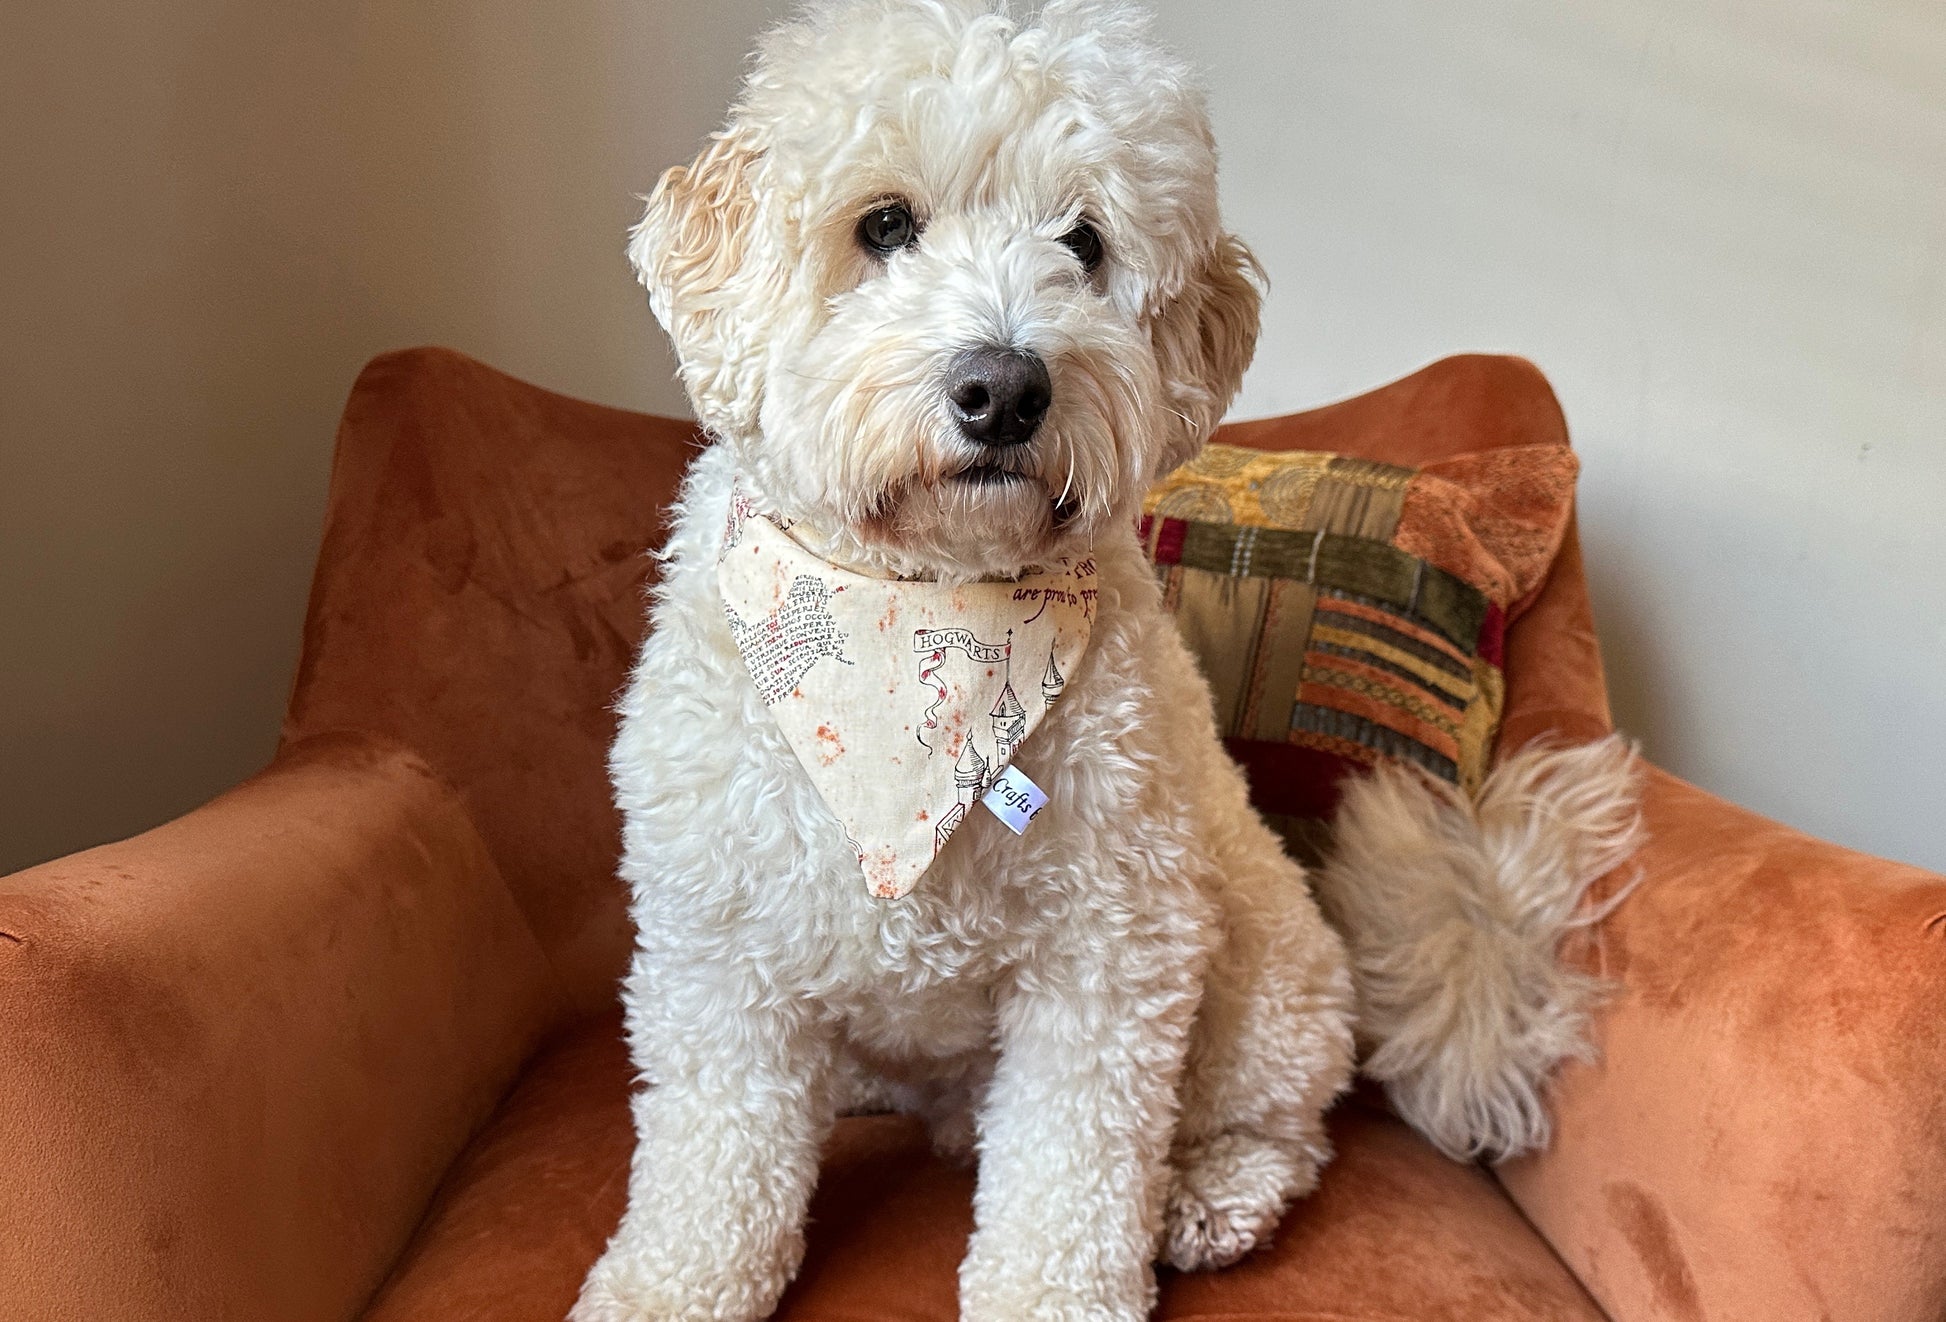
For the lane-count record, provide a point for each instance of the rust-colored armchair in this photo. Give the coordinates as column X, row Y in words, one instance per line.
column 342, row 1044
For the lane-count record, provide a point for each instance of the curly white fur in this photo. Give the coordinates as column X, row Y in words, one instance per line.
column 1135, row 1015
column 1455, row 911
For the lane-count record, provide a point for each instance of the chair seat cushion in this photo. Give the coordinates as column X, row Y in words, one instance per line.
column 1396, row 1233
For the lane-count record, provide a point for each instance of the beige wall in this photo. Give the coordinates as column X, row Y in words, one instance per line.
column 211, row 213
column 1721, row 228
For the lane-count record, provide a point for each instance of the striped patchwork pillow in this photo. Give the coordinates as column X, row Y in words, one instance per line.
column 1346, row 611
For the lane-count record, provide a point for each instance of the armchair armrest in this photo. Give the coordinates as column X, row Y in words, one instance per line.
column 237, row 1052
column 1763, row 1138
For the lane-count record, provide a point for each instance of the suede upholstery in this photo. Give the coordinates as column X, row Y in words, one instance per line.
column 484, row 540
column 341, row 1040
column 241, row 1050
column 1764, row 1136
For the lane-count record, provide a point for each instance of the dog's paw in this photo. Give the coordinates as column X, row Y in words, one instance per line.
column 598, row 1303
column 1228, row 1196
column 1201, row 1235
column 624, row 1288
column 608, row 1296
column 955, row 1139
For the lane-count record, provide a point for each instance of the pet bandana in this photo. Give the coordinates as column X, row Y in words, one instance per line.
column 905, row 700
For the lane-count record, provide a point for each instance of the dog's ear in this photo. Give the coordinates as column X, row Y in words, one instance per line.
column 1203, row 342
column 691, row 252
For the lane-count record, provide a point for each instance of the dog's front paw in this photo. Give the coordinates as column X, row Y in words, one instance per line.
column 648, row 1288
column 1229, row 1195
column 600, row 1302
column 608, row 1296
column 1033, row 1287
column 615, row 1292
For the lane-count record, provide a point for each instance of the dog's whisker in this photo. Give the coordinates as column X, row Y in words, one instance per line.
column 821, row 380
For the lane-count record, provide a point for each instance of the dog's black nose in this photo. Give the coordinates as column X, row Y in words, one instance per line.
column 999, row 395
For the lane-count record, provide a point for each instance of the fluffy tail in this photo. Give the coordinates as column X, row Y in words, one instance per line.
column 1454, row 910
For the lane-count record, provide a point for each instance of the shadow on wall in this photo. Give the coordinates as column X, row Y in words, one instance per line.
column 1740, row 690
column 218, row 213
column 1645, row 705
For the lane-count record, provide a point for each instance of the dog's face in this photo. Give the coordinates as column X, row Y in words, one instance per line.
column 956, row 288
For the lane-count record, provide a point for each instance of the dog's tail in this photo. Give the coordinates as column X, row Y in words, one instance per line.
column 1454, row 909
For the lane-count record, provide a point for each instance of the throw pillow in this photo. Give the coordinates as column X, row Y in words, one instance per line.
column 1346, row 611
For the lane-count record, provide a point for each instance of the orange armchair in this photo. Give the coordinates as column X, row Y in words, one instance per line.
column 341, row 1044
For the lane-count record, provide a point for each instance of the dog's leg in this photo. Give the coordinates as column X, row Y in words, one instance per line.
column 1271, row 1049
column 1074, row 1136
column 727, row 1144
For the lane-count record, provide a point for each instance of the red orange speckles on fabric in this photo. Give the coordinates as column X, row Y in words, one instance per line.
column 832, row 748
column 902, row 700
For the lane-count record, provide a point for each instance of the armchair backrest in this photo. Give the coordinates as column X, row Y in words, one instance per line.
column 479, row 597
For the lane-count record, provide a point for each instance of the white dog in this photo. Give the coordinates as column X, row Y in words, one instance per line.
column 949, row 292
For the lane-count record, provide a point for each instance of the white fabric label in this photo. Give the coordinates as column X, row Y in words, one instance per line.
column 1015, row 800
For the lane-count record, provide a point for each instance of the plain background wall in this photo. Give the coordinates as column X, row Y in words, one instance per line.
column 1719, row 227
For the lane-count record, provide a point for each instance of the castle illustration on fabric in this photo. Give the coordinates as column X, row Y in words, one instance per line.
column 1052, row 681
column 972, row 772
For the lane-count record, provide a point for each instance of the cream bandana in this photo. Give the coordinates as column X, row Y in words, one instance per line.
column 904, row 700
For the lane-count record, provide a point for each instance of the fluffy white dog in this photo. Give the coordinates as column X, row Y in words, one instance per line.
column 949, row 291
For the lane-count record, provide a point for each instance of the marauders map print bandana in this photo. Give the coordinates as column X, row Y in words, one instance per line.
column 904, row 700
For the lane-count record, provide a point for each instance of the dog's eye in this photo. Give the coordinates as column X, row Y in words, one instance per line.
column 887, row 229
column 1085, row 243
